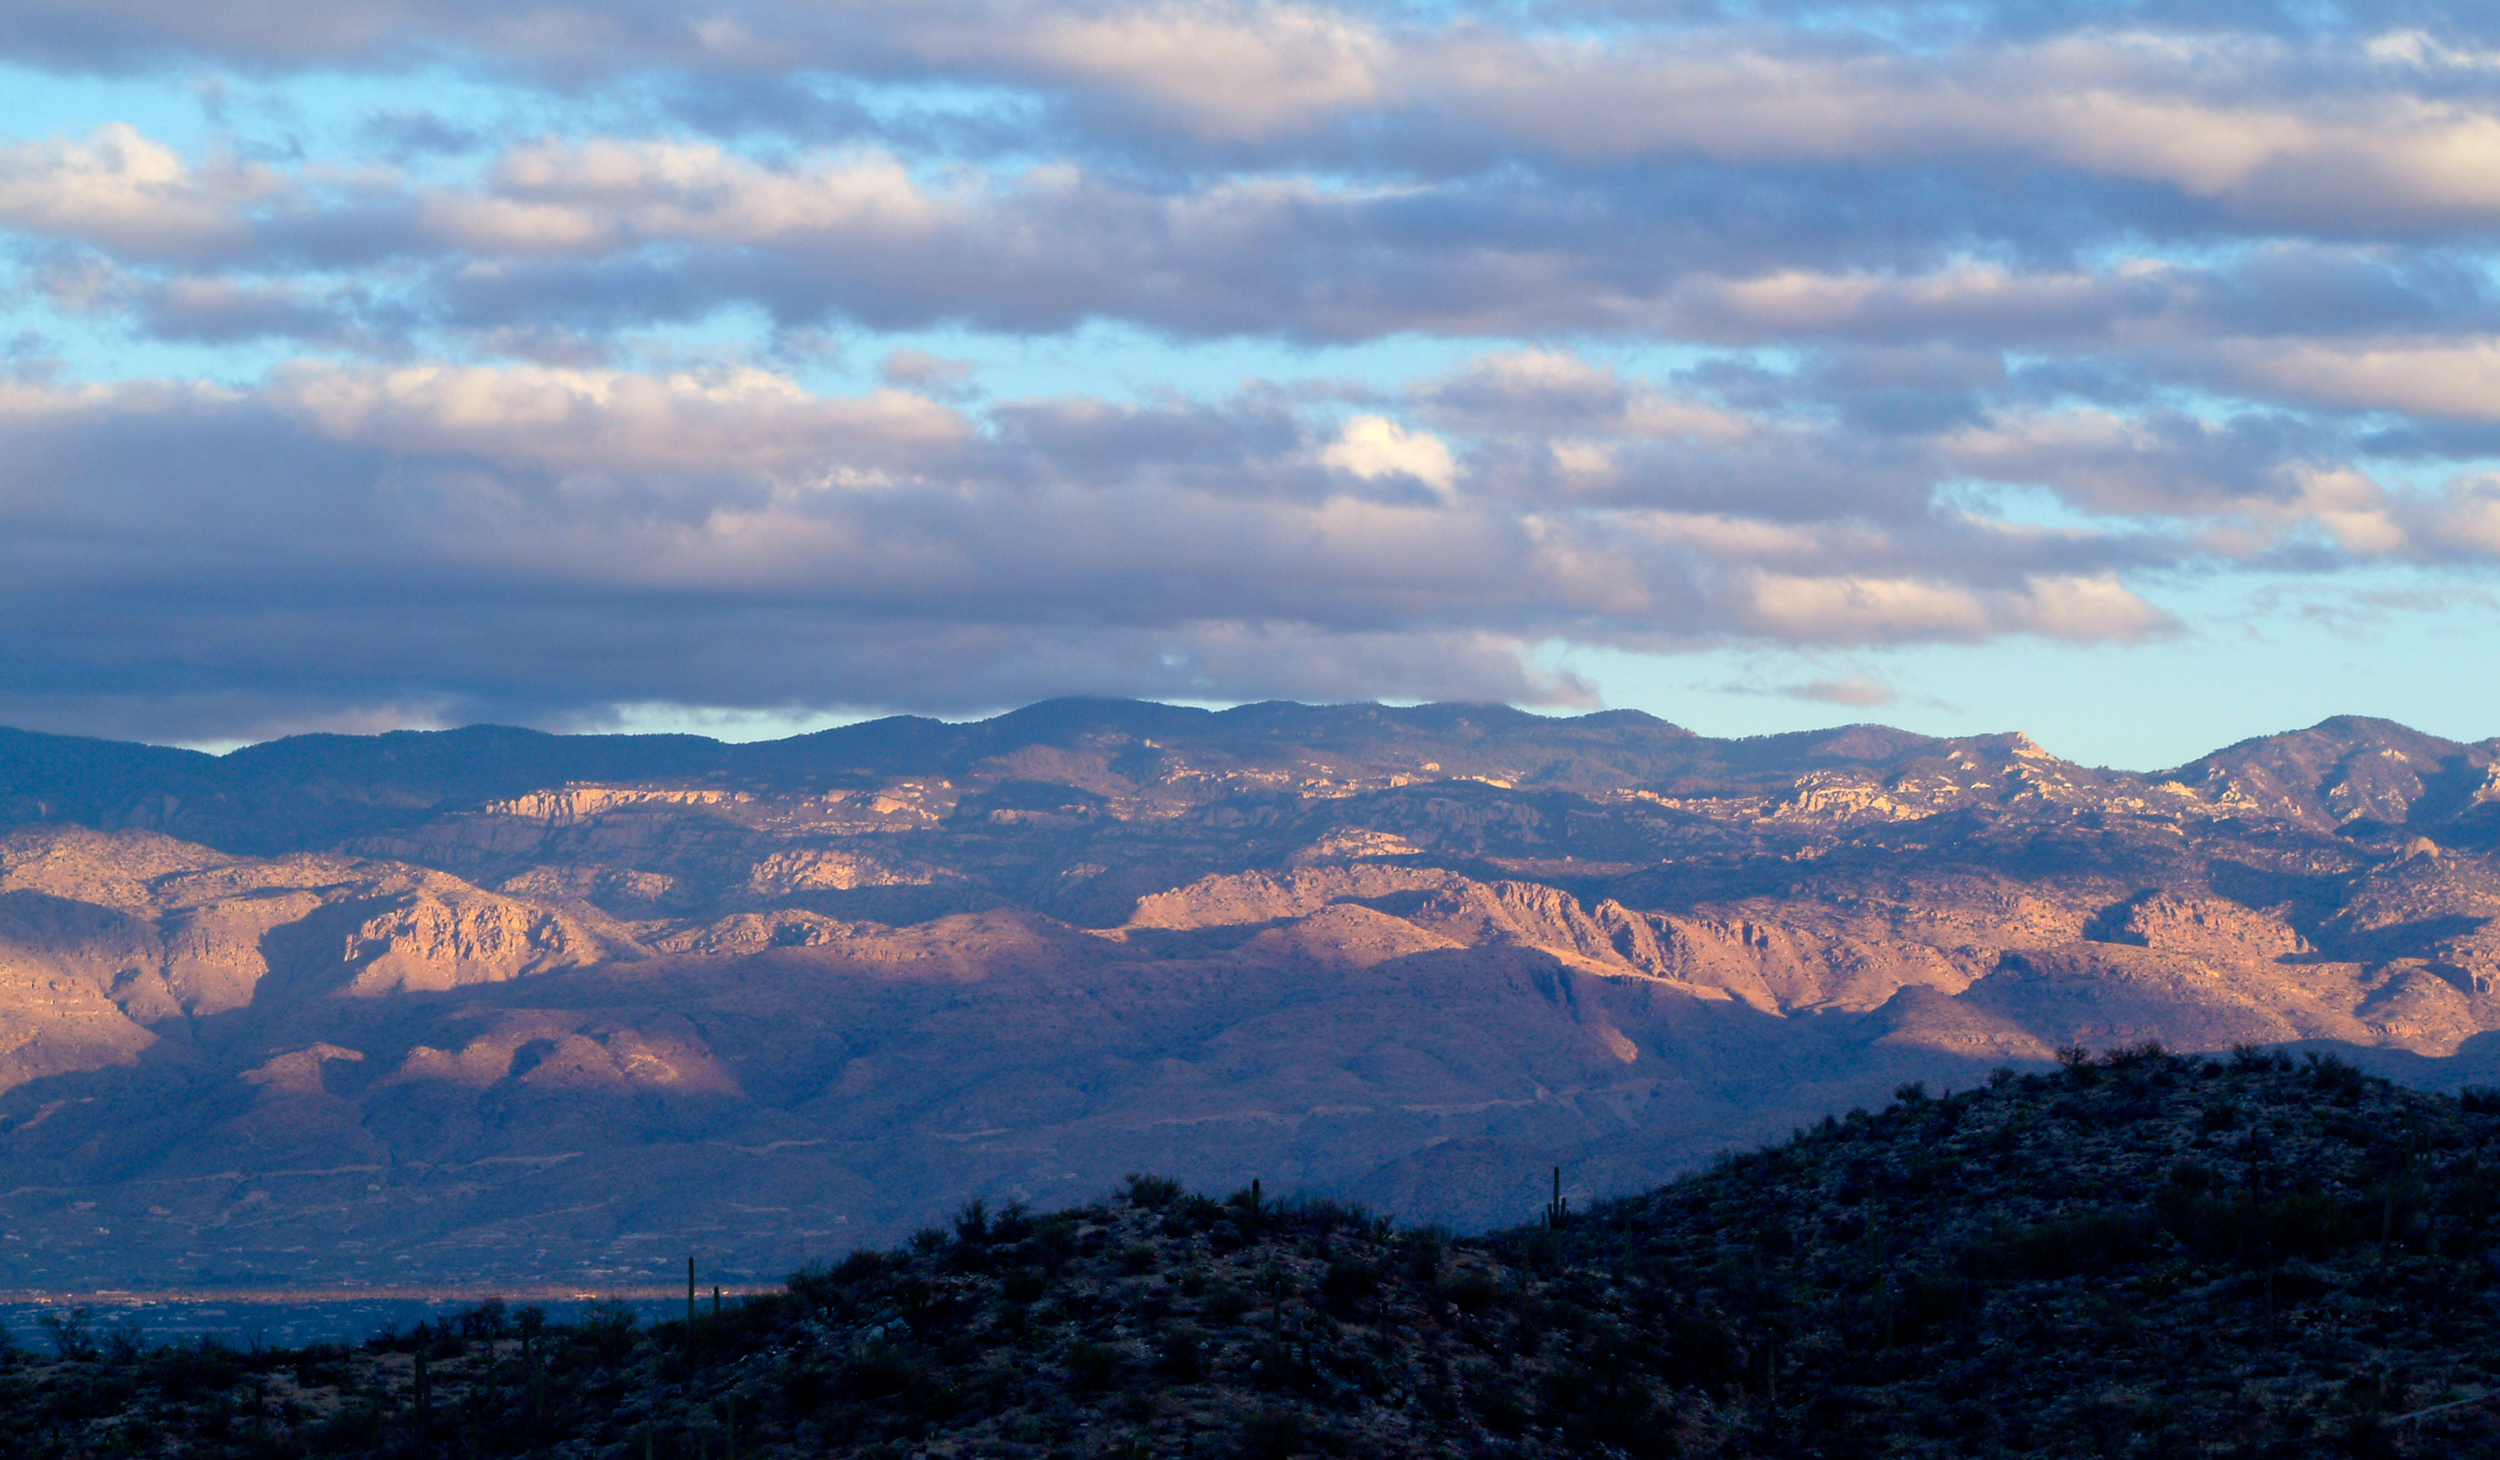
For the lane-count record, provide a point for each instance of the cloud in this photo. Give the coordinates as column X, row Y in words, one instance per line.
column 2256, row 120
column 1860, row 609
column 608, row 233
column 417, row 131
column 1856, row 690
column 1225, row 73
column 1376, row 448
column 541, row 542
column 123, row 189
column 921, row 370
column 2451, row 379
column 655, row 354
column 725, row 420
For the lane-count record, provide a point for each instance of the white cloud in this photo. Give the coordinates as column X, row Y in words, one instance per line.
column 1223, row 71
column 1859, row 609
column 124, row 189
column 2457, row 379
column 1375, row 447
column 611, row 419
column 604, row 194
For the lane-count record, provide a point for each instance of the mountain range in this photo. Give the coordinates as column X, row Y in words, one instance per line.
column 490, row 1004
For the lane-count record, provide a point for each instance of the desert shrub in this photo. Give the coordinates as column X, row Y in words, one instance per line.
column 2250, row 1059
column 125, row 1344
column 1498, row 1407
column 820, row 1285
column 608, row 1327
column 1695, row 1347
column 2469, row 1191
column 1272, row 1434
column 2306, row 1224
column 1012, row 1223
column 1602, row 1409
column 1930, row 1299
column 1023, row 1285
column 1275, row 1365
column 1137, row 1259
column 1325, row 1215
column 1538, row 1249
column 2479, row 1100
column 1092, row 1366
column 485, row 1321
column 1153, row 1193
column 1347, row 1284
column 2217, row 1224
column 1225, row 1303
column 72, row 1331
column 1472, row 1291
column 883, row 1371
column 355, row 1429
column 1184, row 1353
column 2067, row 1246
column 183, row 1369
column 805, row 1388
column 2335, row 1077
column 1422, row 1249
column 323, row 1365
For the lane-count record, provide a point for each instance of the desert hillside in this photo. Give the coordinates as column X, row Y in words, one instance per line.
column 2135, row 1254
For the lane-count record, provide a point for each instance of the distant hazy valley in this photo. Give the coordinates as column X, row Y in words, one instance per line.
column 495, row 1005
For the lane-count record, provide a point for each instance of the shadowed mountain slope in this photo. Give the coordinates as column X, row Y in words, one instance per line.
column 495, row 1002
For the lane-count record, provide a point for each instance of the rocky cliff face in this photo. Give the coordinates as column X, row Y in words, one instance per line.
column 495, row 1003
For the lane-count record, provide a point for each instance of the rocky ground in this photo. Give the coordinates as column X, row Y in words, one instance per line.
column 2135, row 1255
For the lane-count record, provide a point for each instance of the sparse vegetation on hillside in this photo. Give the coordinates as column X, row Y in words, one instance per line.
column 2138, row 1254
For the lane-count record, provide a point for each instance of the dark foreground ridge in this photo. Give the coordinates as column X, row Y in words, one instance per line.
column 2140, row 1255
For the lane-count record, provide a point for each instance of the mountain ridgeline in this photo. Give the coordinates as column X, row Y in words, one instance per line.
column 490, row 1004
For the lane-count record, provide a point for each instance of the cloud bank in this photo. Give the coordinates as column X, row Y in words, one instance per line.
column 1823, row 326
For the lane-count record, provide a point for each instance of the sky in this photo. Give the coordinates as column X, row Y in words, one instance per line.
column 2125, row 374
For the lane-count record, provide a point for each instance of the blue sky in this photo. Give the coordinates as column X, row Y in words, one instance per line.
column 2124, row 374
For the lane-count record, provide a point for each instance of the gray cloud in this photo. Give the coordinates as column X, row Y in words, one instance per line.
column 1856, row 690
column 606, row 234
column 2206, row 285
column 539, row 543
column 417, row 131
